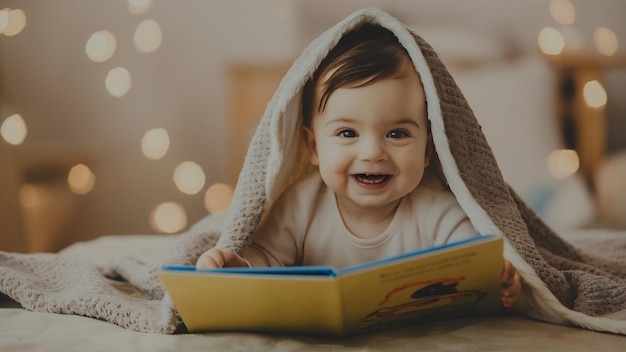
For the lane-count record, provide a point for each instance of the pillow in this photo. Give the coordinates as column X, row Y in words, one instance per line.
column 515, row 103
column 610, row 183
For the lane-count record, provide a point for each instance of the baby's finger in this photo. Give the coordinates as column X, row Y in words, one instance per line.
column 233, row 260
column 507, row 272
column 213, row 259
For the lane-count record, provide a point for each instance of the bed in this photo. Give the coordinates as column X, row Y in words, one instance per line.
column 22, row 330
column 566, row 204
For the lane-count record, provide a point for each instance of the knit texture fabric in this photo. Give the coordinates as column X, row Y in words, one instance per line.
column 566, row 285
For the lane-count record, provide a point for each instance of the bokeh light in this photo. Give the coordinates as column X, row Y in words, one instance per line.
column 148, row 36
column 139, row 6
column 168, row 217
column 13, row 129
column 15, row 22
column 563, row 163
column 155, row 143
column 594, row 94
column 605, row 41
column 4, row 19
column 29, row 197
column 562, row 11
column 118, row 82
column 551, row 41
column 218, row 197
column 80, row 179
column 100, row 46
column 189, row 177
column 572, row 38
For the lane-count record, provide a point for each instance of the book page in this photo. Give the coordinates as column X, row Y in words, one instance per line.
column 263, row 303
column 457, row 281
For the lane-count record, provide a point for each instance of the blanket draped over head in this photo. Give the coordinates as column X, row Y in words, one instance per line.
column 567, row 286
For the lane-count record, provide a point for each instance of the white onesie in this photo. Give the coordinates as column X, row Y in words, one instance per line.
column 304, row 227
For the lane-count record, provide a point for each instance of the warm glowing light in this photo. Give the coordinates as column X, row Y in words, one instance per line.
column 168, row 217
column 15, row 23
column 563, row 163
column 4, row 19
column 139, row 6
column 551, row 41
column 118, row 82
column 572, row 38
column 594, row 94
column 218, row 197
column 80, row 179
column 29, row 196
column 155, row 143
column 13, row 129
column 100, row 46
column 148, row 36
column 605, row 40
column 189, row 177
column 562, row 11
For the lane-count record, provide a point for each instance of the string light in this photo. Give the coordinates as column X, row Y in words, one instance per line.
column 80, row 179
column 218, row 197
column 551, row 41
column 4, row 19
column 572, row 38
column 13, row 129
column 594, row 94
column 605, row 41
column 563, row 163
column 168, row 217
column 29, row 197
column 136, row 7
column 100, row 46
column 189, row 177
column 14, row 23
column 155, row 143
column 118, row 82
column 562, row 11
column 148, row 36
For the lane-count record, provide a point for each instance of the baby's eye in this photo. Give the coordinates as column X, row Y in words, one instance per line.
column 397, row 134
column 347, row 133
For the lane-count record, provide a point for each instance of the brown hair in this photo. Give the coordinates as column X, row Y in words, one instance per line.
column 362, row 56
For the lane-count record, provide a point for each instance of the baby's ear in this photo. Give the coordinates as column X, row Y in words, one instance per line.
column 430, row 149
column 309, row 138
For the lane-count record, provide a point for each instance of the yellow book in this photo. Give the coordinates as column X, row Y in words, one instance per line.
column 455, row 280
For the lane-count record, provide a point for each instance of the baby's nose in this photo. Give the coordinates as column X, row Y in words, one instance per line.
column 373, row 150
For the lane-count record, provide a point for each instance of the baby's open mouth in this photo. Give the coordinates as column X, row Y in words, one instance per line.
column 372, row 179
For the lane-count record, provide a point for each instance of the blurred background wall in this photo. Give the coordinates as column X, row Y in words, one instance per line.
column 115, row 97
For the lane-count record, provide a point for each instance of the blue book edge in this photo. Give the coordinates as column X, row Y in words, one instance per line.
column 321, row 270
column 313, row 270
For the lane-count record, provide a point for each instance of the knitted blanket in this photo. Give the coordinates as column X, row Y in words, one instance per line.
column 564, row 285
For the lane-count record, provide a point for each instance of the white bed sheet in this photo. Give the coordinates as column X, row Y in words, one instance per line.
column 21, row 330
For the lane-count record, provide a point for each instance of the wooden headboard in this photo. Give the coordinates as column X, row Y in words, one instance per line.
column 252, row 87
column 584, row 127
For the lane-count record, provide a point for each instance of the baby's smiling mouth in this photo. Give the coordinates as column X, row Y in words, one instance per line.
column 372, row 179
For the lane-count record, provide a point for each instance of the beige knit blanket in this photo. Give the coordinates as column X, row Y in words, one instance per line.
column 565, row 285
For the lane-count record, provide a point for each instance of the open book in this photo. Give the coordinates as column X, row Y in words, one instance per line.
column 458, row 279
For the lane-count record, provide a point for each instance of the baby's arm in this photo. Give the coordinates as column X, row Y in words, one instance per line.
column 511, row 285
column 218, row 258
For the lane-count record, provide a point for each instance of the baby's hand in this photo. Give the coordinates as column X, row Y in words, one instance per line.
column 511, row 285
column 216, row 258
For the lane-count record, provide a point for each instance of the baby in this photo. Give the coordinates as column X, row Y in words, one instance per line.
column 377, row 189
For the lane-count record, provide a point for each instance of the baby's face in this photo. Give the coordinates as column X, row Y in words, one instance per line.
column 370, row 142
